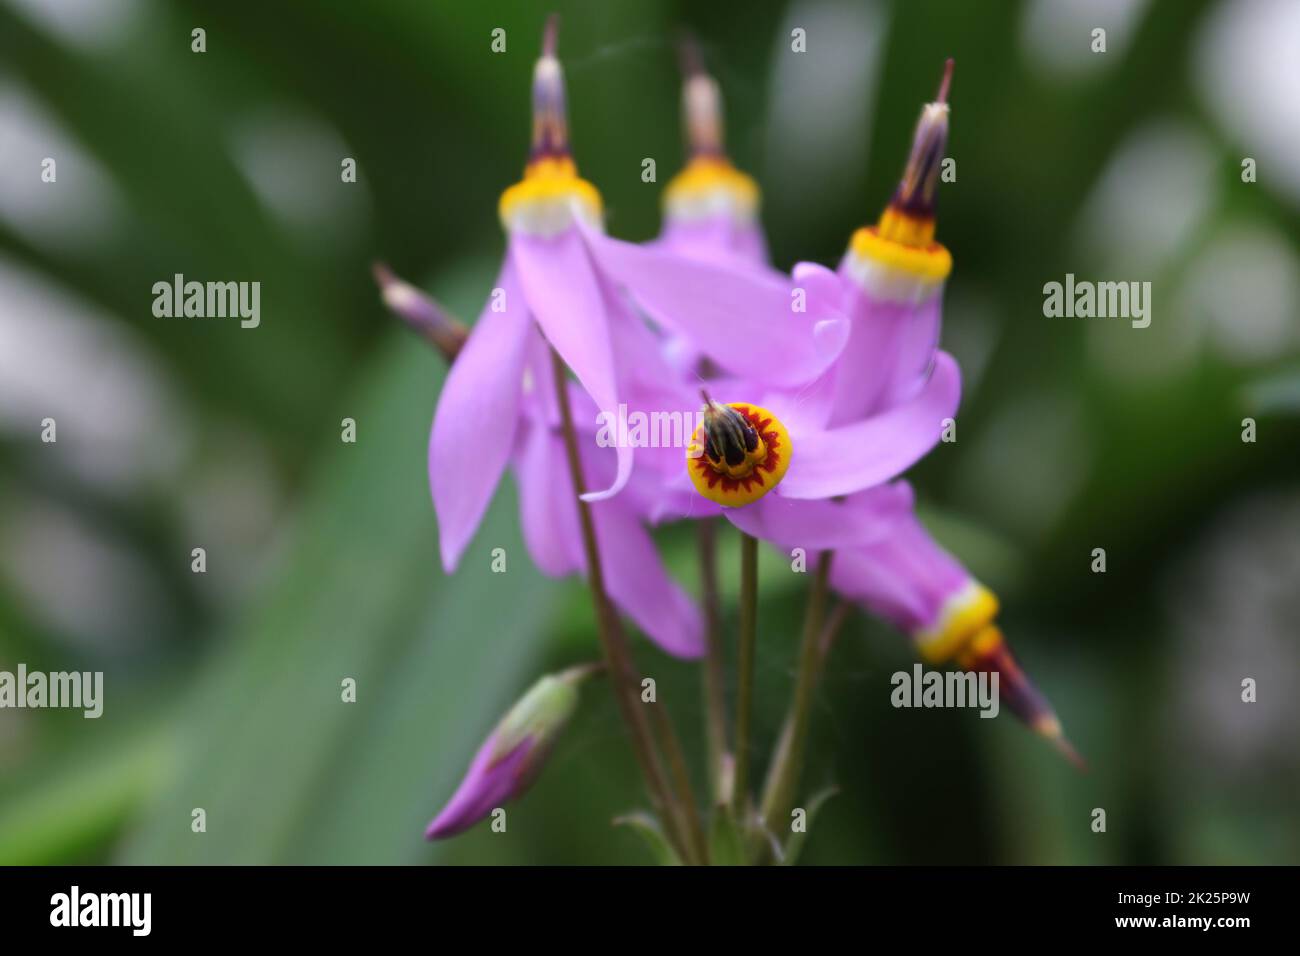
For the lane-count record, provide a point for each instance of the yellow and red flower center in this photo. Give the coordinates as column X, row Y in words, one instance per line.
column 738, row 454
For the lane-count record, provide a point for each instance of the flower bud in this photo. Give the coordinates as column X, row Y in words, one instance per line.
column 421, row 312
column 513, row 755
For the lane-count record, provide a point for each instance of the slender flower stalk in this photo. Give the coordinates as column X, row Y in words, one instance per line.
column 745, row 667
column 681, row 780
column 834, row 624
column 787, row 763
column 618, row 656
column 715, row 703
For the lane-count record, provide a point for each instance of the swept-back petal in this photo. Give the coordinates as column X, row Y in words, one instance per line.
column 475, row 421
column 745, row 320
column 824, row 525
column 905, row 577
column 890, row 348
column 840, row 461
column 548, row 509
column 719, row 238
column 635, row 577
column 564, row 295
column 641, row 587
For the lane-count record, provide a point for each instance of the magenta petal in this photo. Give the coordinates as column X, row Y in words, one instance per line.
column 487, row 785
column 548, row 509
column 840, row 461
column 539, row 384
column 718, row 238
column 474, row 424
column 635, row 578
column 824, row 286
column 889, row 351
column 906, row 577
column 917, row 346
column 740, row 317
column 565, row 297
column 823, row 525
column 641, row 587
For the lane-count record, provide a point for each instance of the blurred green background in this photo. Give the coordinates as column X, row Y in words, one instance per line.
column 222, row 689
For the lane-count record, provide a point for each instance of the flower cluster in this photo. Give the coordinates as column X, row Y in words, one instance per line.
column 816, row 390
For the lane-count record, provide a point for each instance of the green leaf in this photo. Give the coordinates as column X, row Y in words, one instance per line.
column 286, row 770
column 726, row 844
column 81, row 803
column 648, row 828
column 794, row 846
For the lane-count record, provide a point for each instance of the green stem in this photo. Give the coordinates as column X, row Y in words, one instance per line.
column 715, row 701
column 682, row 780
column 787, row 763
column 618, row 657
column 745, row 669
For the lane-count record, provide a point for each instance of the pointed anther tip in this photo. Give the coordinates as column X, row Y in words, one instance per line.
column 383, row 275
column 946, row 82
column 1067, row 750
column 551, row 35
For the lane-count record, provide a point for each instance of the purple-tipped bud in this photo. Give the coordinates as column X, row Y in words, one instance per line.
column 910, row 580
column 988, row 652
column 422, row 313
column 513, row 754
column 550, row 114
column 915, row 195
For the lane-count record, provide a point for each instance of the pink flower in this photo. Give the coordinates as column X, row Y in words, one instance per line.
column 889, row 285
column 781, row 343
column 498, row 405
column 548, row 283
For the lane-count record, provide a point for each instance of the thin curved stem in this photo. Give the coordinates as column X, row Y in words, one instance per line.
column 618, row 657
column 787, row 763
column 715, row 699
column 682, row 780
column 745, row 668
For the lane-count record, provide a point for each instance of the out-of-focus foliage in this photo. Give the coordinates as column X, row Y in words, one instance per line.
column 223, row 689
